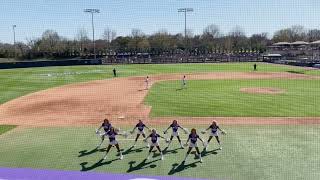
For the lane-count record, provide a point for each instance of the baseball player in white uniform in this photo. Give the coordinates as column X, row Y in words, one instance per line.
column 184, row 82
column 147, row 82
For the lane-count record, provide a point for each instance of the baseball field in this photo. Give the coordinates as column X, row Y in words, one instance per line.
column 48, row 118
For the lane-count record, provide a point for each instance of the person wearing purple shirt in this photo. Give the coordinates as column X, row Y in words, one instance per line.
column 214, row 132
column 112, row 133
column 154, row 136
column 175, row 133
column 106, row 125
column 140, row 126
column 193, row 138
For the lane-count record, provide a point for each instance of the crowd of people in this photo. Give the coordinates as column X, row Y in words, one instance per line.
column 183, row 58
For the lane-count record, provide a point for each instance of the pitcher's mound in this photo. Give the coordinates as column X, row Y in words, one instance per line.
column 262, row 90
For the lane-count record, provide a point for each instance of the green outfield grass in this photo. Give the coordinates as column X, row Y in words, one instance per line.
column 5, row 128
column 249, row 152
column 223, row 98
column 18, row 82
column 313, row 72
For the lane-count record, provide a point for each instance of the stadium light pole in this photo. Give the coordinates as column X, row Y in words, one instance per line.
column 14, row 39
column 185, row 11
column 93, row 11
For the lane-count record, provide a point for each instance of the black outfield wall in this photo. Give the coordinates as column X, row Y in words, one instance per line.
column 26, row 64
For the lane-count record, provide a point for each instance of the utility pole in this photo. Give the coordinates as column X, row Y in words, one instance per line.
column 92, row 11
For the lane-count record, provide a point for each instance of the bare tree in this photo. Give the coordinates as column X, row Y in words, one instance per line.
column 136, row 33
column 237, row 31
column 209, row 38
column 143, row 45
column 31, row 42
column 212, row 31
column 109, row 35
column 82, row 38
column 282, row 35
column 259, row 42
column 6, row 50
column 238, row 38
column 190, row 33
column 162, row 31
column 82, row 34
column 295, row 33
column 33, row 47
column 313, row 35
column 136, row 37
column 298, row 33
column 49, row 41
column 161, row 42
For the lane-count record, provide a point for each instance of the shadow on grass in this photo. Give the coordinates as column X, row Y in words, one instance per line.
column 95, row 165
column 207, row 153
column 296, row 72
column 171, row 151
column 181, row 167
column 156, row 154
column 87, row 152
column 131, row 150
column 142, row 165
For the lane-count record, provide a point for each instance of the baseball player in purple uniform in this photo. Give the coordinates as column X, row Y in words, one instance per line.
column 140, row 126
column 193, row 138
column 106, row 125
column 154, row 136
column 175, row 127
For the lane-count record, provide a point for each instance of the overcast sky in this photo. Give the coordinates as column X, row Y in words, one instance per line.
column 32, row 17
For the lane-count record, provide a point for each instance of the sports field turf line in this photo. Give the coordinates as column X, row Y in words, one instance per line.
column 6, row 128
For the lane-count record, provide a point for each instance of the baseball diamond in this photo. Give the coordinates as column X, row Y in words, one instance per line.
column 229, row 122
